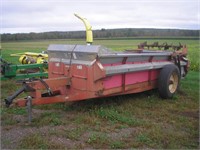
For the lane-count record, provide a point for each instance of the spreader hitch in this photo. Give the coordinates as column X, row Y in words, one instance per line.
column 24, row 88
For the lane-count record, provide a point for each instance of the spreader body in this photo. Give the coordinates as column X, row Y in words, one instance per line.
column 81, row 72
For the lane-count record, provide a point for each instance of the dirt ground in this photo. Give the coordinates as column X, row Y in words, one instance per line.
column 12, row 135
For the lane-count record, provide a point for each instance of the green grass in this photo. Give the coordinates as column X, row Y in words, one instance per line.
column 117, row 145
column 37, row 141
column 114, row 116
column 143, row 138
column 17, row 111
column 98, row 140
column 73, row 133
column 140, row 120
column 48, row 118
column 38, row 46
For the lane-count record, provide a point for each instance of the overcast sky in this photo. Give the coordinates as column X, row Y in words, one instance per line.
column 23, row 16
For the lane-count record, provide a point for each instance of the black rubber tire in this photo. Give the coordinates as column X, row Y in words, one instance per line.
column 164, row 81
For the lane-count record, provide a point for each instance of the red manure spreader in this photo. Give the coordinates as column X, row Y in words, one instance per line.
column 81, row 72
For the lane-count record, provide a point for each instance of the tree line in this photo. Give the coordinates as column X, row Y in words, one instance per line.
column 103, row 33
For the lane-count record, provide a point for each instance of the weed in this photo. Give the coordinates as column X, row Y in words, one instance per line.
column 33, row 141
column 117, row 144
column 75, row 133
column 16, row 111
column 79, row 119
column 72, row 133
column 37, row 141
column 93, row 138
column 8, row 121
column 6, row 141
column 98, row 139
column 143, row 138
column 48, row 118
column 57, row 106
column 113, row 115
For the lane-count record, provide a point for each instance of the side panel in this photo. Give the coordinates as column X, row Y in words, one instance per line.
column 142, row 76
column 115, row 80
column 56, row 69
column 125, row 82
column 79, row 76
column 112, row 81
column 79, row 83
column 136, row 77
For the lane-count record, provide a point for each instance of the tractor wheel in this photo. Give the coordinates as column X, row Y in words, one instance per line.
column 168, row 81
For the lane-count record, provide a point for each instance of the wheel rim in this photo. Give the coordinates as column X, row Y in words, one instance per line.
column 173, row 82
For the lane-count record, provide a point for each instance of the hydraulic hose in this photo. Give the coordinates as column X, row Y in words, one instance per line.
column 47, row 87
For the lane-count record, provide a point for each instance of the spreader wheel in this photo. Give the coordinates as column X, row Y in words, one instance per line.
column 168, row 81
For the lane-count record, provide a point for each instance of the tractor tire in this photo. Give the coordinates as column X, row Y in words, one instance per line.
column 168, row 81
